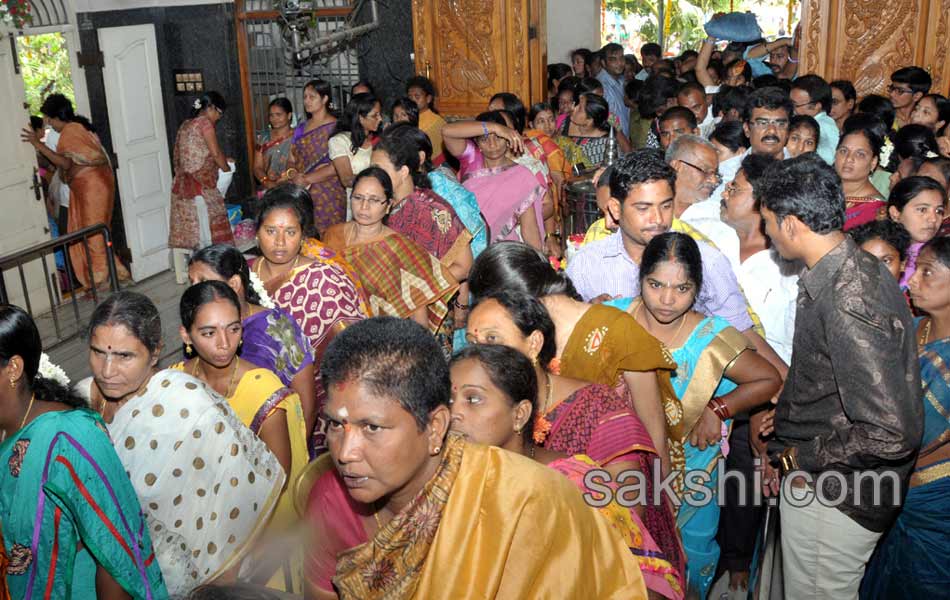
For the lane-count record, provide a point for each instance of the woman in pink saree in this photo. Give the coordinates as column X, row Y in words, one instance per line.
column 311, row 151
column 509, row 195
column 577, row 417
column 493, row 400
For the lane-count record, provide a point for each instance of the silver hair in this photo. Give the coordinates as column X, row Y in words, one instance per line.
column 685, row 144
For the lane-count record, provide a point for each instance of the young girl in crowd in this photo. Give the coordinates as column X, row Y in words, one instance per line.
column 917, row 203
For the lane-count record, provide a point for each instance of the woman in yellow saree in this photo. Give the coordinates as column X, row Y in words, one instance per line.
column 436, row 516
column 211, row 330
column 85, row 167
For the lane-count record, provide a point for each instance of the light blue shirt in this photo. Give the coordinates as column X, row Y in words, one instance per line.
column 828, row 137
column 613, row 94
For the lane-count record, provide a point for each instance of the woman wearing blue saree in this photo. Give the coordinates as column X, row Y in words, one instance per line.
column 72, row 525
column 911, row 559
column 718, row 375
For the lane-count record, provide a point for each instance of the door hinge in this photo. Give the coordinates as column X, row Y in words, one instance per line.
column 532, row 32
column 115, row 160
column 91, row 59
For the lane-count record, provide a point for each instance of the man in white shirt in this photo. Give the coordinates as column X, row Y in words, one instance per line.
column 697, row 170
column 766, row 125
column 693, row 96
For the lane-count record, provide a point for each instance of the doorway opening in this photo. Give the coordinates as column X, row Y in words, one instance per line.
column 46, row 70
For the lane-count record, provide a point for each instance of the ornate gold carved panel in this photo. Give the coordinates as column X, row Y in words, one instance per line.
column 472, row 49
column 866, row 40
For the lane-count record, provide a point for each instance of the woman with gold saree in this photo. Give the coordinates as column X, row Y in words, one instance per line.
column 407, row 491
column 85, row 168
column 594, row 343
column 494, row 391
column 716, row 377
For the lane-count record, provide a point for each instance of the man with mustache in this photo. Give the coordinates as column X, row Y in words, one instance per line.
column 642, row 192
column 766, row 125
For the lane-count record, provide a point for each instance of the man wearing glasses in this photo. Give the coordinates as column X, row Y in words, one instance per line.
column 908, row 85
column 811, row 95
column 697, row 171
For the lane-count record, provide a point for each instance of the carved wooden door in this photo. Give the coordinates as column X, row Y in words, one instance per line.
column 472, row 49
column 865, row 41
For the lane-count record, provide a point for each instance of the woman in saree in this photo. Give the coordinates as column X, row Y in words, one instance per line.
column 716, row 377
column 351, row 147
column 311, row 148
column 317, row 288
column 909, row 561
column 392, row 515
column 273, row 155
column 421, row 91
column 210, row 328
column 583, row 138
column 593, row 342
column 856, row 159
column 72, row 525
column 197, row 160
column 207, row 484
column 85, row 168
column 594, row 424
column 271, row 338
column 509, row 195
column 399, row 276
column 419, row 213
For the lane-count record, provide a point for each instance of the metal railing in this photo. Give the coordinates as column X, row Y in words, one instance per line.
column 40, row 252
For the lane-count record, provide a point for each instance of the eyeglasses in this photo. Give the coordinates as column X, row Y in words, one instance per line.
column 763, row 124
column 708, row 174
column 371, row 200
column 894, row 89
column 809, row 103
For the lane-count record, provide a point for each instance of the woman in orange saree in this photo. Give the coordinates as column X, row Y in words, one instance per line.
column 85, row 168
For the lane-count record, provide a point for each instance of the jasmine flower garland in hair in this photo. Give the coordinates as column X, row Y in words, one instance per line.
column 258, row 286
column 52, row 372
column 885, row 156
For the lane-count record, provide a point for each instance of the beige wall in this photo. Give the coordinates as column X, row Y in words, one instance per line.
column 571, row 24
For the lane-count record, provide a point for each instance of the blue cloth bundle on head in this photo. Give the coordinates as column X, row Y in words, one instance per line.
column 735, row 27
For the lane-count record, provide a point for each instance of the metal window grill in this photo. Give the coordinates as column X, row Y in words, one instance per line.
column 272, row 71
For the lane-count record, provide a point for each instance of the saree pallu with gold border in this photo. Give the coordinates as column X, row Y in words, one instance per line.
column 311, row 150
column 534, row 537
column 702, row 362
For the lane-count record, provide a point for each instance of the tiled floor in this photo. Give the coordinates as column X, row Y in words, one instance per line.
column 72, row 354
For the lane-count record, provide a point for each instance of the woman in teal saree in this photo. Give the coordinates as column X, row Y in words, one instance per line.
column 72, row 525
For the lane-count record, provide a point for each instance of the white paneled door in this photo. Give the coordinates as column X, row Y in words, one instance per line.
column 24, row 221
column 137, row 120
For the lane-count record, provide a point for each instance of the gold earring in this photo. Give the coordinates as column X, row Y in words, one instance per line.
column 518, row 431
column 437, row 450
column 534, row 361
column 12, row 383
column 188, row 349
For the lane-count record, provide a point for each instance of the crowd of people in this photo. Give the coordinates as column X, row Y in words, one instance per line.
column 403, row 395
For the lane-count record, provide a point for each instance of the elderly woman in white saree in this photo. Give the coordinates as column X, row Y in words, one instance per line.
column 207, row 484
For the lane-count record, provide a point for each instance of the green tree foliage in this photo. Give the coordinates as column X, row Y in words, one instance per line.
column 686, row 19
column 44, row 61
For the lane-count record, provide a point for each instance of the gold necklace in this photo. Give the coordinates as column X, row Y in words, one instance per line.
column 237, row 362
column 925, row 336
column 678, row 329
column 258, row 266
column 27, row 413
